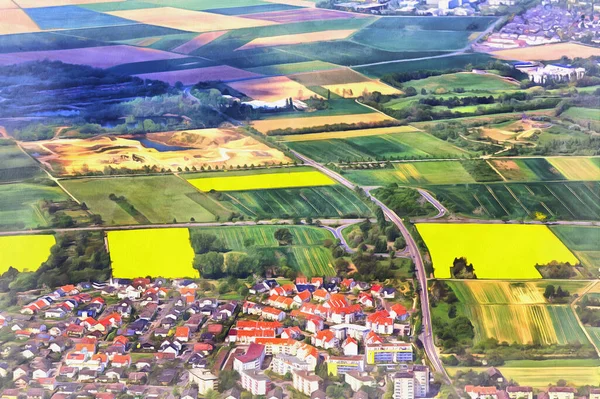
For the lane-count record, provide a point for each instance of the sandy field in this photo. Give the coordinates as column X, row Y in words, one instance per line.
column 353, row 90
column 264, row 126
column 205, row 147
column 199, row 41
column 273, row 89
column 301, row 15
column 297, row 38
column 547, row 52
column 16, row 21
column 191, row 76
column 193, row 21
column 508, row 132
column 50, row 3
column 100, row 57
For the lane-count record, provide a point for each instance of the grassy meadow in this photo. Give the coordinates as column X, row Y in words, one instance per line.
column 20, row 204
column 147, row 199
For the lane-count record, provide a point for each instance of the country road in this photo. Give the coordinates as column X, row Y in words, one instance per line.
column 411, row 245
column 442, row 211
column 174, row 225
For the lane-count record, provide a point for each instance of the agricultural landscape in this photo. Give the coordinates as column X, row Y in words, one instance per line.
column 427, row 174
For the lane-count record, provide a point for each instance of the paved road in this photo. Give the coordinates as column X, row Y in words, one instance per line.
column 411, row 245
column 487, row 221
column 442, row 211
column 170, row 225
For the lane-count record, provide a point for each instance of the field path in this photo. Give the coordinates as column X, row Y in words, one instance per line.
column 585, row 331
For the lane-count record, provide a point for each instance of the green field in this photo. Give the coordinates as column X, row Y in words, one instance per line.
column 157, row 199
column 541, row 377
column 153, row 252
column 579, row 113
column 235, row 237
column 19, row 204
column 325, row 201
column 15, row 165
column 584, row 241
column 467, row 81
column 312, row 261
column 385, row 146
column 298, row 67
column 442, row 63
column 337, row 106
column 594, row 333
column 442, row 172
column 306, row 254
column 24, row 253
column 517, row 312
column 420, row 33
column 564, row 201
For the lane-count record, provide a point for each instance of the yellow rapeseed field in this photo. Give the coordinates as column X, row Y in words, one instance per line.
column 496, row 251
column 24, row 252
column 262, row 181
column 151, row 252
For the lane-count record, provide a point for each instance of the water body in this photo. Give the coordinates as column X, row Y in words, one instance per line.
column 146, row 142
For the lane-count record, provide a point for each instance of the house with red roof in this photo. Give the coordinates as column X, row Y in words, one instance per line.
column 291, row 332
column 302, row 297
column 344, row 314
column 399, row 312
column 269, row 313
column 336, row 301
column 325, row 339
column 121, row 361
column 348, row 283
column 251, row 360
column 182, row 334
column 258, row 325
column 373, row 339
column 314, row 324
column 281, row 302
column 376, row 289
column 321, row 295
column 301, row 280
column 249, row 335
column 479, row 392
column 317, row 281
column 350, row 347
column 365, row 299
column 380, row 322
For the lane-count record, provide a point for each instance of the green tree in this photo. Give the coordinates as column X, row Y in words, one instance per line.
column 210, row 264
column 283, row 236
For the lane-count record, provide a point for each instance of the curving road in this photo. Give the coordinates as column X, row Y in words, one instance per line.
column 411, row 245
column 442, row 211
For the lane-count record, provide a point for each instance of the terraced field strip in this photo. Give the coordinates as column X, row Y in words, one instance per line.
column 266, row 125
column 541, row 376
column 497, row 292
column 24, row 253
column 151, row 252
column 576, row 168
column 315, row 261
column 323, row 201
column 262, row 181
column 566, row 201
column 348, row 133
column 491, row 257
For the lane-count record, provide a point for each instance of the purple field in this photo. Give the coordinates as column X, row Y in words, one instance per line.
column 301, row 15
column 190, row 76
column 99, row 57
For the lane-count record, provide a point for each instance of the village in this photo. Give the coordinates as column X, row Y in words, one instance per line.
column 143, row 338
